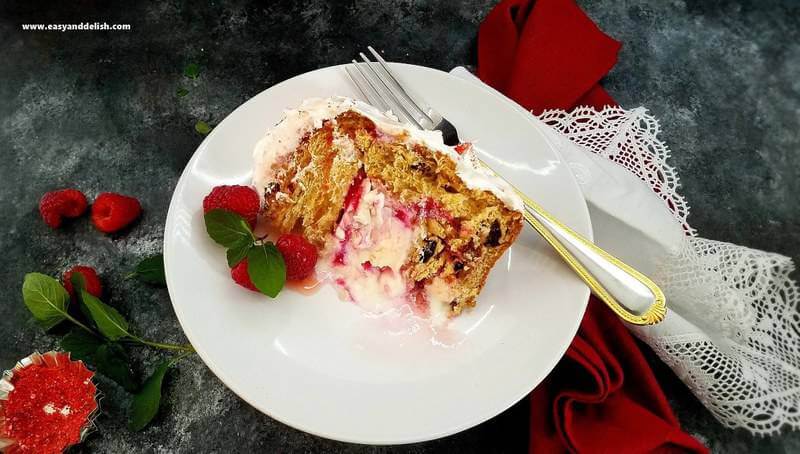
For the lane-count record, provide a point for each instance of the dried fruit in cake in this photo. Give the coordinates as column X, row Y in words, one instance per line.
column 397, row 214
column 299, row 255
column 90, row 279
column 56, row 205
column 112, row 212
column 242, row 200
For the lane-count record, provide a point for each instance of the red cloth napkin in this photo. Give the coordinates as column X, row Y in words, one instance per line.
column 602, row 397
column 545, row 55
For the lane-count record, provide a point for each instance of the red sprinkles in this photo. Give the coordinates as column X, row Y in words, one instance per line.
column 50, row 404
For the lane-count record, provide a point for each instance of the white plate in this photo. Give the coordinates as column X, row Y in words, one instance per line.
column 319, row 364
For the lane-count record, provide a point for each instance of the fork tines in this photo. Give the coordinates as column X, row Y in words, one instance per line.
column 381, row 88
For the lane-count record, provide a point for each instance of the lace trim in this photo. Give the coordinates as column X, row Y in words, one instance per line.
column 742, row 359
column 629, row 138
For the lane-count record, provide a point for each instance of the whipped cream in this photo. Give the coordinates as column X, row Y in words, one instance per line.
column 366, row 254
column 439, row 294
column 284, row 138
column 367, row 251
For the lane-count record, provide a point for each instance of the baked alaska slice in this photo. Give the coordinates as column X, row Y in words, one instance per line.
column 400, row 217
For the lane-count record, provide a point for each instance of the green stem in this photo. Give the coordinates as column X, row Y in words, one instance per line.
column 84, row 327
column 184, row 348
column 180, row 357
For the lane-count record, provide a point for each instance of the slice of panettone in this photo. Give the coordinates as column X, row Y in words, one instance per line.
column 401, row 217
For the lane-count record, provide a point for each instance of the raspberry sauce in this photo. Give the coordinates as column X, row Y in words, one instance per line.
column 307, row 286
column 353, row 196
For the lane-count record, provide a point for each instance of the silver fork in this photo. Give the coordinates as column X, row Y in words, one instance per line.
column 630, row 294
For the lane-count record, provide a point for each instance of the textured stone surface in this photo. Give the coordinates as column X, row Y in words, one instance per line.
column 98, row 111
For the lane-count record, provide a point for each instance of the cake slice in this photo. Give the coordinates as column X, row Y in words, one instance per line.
column 400, row 217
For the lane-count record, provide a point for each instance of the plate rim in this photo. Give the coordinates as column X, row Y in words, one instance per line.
column 219, row 373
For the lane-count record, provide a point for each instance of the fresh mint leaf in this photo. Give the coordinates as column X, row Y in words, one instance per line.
column 266, row 269
column 111, row 360
column 181, row 92
column 202, row 127
column 151, row 270
column 111, row 323
column 81, row 345
column 107, row 358
column 192, row 71
column 237, row 254
column 228, row 229
column 79, row 283
column 144, row 406
column 46, row 298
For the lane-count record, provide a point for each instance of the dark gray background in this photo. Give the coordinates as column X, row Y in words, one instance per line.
column 98, row 111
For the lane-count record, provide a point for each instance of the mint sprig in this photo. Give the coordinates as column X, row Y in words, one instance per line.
column 109, row 321
column 236, row 254
column 101, row 341
column 112, row 360
column 109, row 358
column 111, row 324
column 265, row 264
column 151, row 271
column 266, row 269
column 47, row 300
column 145, row 404
column 228, row 229
column 80, row 344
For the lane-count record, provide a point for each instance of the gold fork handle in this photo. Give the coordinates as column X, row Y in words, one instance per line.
column 631, row 295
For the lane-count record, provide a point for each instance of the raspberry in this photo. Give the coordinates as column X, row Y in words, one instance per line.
column 462, row 147
column 299, row 255
column 55, row 205
column 112, row 212
column 240, row 276
column 90, row 279
column 242, row 200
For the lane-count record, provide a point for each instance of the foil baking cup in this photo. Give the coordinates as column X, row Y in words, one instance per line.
column 49, row 359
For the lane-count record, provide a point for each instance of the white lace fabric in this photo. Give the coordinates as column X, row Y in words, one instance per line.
column 628, row 138
column 732, row 333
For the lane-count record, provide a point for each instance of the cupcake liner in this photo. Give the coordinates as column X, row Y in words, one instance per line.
column 49, row 359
